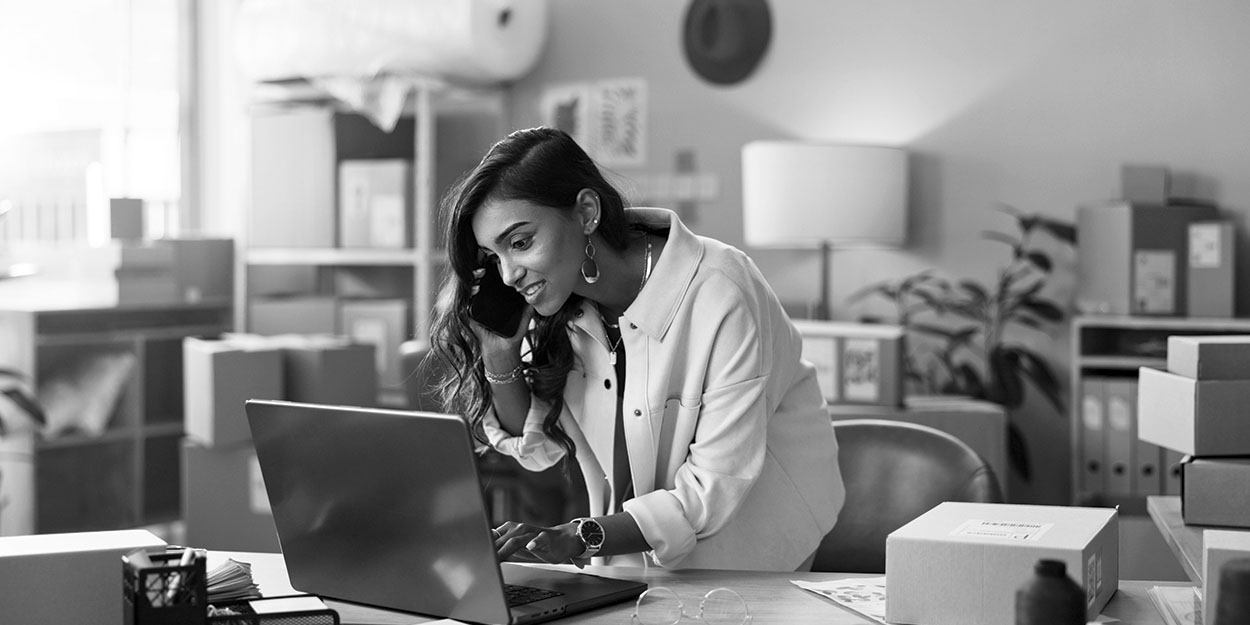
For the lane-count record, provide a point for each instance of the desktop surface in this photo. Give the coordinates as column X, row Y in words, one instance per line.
column 770, row 596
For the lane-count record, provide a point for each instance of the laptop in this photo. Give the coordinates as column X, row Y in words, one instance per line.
column 384, row 508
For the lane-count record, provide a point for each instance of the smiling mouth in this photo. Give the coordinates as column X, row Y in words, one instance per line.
column 533, row 289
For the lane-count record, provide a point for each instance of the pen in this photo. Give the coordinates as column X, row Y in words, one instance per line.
column 175, row 580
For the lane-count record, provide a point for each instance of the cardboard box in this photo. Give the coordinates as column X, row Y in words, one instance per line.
column 1216, row 491
column 219, row 375
column 1210, row 357
column 328, row 370
column 293, row 164
column 1196, row 417
column 312, row 314
column 856, row 363
column 961, row 563
column 1131, row 258
column 1218, row 547
column 66, row 578
column 375, row 203
column 224, row 502
column 203, row 268
column 1145, row 184
column 1211, row 269
column 383, row 323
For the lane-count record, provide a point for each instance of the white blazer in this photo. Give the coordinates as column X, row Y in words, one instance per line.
column 732, row 455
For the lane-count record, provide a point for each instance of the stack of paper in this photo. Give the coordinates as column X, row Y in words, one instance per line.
column 232, row 581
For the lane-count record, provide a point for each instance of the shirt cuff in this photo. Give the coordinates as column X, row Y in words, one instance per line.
column 663, row 523
column 532, row 449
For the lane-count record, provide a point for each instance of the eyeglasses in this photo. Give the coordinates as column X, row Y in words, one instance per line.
column 662, row 606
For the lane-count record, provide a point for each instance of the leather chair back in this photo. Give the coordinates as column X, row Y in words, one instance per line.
column 894, row 472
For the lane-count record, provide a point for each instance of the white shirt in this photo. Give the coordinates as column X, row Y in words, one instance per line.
column 731, row 451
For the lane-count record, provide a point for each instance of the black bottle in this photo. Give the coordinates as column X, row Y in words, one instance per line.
column 1051, row 597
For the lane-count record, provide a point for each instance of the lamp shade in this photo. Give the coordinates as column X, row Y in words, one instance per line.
column 799, row 194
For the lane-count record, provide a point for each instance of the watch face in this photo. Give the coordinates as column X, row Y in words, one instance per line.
column 591, row 533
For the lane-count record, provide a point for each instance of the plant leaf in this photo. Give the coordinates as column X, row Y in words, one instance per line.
column 1042, row 308
column 1042, row 376
column 1018, row 452
column 1004, row 367
column 1040, row 260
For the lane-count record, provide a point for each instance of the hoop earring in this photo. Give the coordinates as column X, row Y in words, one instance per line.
column 590, row 258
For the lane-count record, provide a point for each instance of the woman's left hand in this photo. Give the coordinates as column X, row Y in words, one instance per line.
column 534, row 543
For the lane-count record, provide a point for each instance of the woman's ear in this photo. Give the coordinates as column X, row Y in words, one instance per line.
column 588, row 210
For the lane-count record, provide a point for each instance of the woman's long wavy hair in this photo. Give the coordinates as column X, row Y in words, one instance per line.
column 546, row 167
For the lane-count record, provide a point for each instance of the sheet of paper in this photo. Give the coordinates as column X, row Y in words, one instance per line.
column 1179, row 605
column 862, row 595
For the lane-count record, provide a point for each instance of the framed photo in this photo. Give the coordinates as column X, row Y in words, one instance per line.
column 620, row 124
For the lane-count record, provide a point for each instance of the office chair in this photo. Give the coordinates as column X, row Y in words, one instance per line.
column 893, row 473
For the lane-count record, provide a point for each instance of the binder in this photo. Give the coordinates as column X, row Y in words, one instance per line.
column 1121, row 403
column 1171, row 471
column 1149, row 478
column 1093, row 441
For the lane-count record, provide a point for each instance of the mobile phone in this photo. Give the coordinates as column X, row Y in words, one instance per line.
column 496, row 305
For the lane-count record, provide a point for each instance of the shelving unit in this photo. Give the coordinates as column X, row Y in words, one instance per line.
column 1107, row 353
column 129, row 475
column 444, row 132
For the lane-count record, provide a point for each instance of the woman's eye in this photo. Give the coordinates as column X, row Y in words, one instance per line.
column 521, row 243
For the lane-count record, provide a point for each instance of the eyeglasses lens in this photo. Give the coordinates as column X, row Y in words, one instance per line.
column 723, row 606
column 658, row 606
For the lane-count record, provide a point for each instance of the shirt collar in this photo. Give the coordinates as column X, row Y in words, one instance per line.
column 656, row 305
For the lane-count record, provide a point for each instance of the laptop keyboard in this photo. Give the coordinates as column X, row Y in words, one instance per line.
column 521, row 595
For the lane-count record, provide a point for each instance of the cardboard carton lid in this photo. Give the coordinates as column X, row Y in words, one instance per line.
column 998, row 523
column 39, row 544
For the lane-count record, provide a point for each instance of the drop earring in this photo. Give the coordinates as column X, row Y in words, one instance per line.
column 590, row 258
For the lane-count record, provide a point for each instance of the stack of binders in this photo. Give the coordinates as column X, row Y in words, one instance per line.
column 1198, row 407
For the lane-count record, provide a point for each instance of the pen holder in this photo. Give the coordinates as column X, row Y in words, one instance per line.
column 165, row 593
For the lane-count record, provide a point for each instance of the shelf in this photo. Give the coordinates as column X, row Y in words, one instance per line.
column 1131, row 363
column 333, row 256
column 1188, row 324
column 1185, row 541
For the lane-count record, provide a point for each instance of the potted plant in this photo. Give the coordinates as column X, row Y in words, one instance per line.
column 962, row 333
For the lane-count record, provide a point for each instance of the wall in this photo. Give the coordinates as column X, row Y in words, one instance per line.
column 1035, row 104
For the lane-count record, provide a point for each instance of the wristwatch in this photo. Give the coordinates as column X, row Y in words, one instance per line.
column 591, row 534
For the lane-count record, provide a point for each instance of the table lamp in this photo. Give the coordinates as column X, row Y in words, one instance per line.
column 799, row 194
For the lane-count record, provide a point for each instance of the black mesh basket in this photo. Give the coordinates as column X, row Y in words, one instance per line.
column 166, row 593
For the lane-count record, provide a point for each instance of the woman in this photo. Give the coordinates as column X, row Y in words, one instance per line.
column 660, row 360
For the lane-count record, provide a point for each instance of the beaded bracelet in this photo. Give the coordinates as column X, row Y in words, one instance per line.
column 506, row 378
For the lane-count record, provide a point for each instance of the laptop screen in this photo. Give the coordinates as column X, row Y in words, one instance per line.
column 381, row 507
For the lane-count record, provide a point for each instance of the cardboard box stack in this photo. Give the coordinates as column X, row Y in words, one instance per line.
column 993, row 548
column 225, row 505
column 856, row 363
column 1197, row 407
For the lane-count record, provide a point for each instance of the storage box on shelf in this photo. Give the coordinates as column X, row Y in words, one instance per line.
column 329, row 188
column 111, row 381
column 1111, row 465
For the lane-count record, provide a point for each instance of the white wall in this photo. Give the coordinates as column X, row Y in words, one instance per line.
column 1035, row 104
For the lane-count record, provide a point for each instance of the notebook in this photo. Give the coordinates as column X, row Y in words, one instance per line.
column 384, row 508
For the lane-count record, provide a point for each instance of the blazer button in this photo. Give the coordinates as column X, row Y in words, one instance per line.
column 607, row 383
column 637, row 412
column 633, row 327
column 577, row 313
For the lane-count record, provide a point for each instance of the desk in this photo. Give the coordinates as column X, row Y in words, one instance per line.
column 771, row 596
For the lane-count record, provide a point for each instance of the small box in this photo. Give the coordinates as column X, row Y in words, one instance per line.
column 1210, row 357
column 375, row 203
column 328, row 370
column 856, row 363
column 126, row 219
column 1211, row 269
column 219, row 375
column 1131, row 257
column 224, row 502
column 66, row 578
column 203, row 269
column 1196, row 417
column 383, row 323
column 1145, row 184
column 1216, row 491
column 961, row 563
column 1218, row 547
column 313, row 314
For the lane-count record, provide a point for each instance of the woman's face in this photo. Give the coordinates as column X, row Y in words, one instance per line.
column 539, row 249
